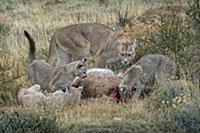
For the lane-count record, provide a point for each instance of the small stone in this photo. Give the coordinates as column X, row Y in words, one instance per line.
column 117, row 119
column 173, row 105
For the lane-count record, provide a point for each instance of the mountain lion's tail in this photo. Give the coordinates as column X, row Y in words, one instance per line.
column 32, row 48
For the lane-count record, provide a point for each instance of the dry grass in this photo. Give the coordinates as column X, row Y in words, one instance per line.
column 41, row 18
column 98, row 115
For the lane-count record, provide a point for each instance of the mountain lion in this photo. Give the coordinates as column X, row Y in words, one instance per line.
column 152, row 67
column 78, row 41
column 48, row 77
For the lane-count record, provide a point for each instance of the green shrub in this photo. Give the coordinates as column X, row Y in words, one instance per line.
column 188, row 118
column 172, row 93
column 170, row 33
column 181, row 112
column 134, row 126
column 6, row 98
column 12, row 77
column 194, row 12
column 4, row 28
column 191, row 60
column 167, row 96
column 18, row 122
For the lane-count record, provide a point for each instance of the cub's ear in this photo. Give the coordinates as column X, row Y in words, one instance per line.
column 83, row 60
column 77, row 66
column 81, row 88
column 122, row 88
column 135, row 70
column 139, row 68
column 81, row 63
column 121, row 75
column 68, row 87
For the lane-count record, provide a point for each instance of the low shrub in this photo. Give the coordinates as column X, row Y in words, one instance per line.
column 185, row 119
column 194, row 12
column 172, row 93
column 12, row 78
column 17, row 122
column 188, row 118
column 6, row 98
column 167, row 31
column 192, row 59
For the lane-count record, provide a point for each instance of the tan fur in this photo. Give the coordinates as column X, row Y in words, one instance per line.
column 95, row 87
column 49, row 78
column 30, row 96
column 150, row 68
column 97, row 82
column 69, row 98
column 77, row 41
column 65, row 73
column 33, row 98
column 39, row 71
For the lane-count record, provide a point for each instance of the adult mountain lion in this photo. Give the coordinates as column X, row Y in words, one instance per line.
column 77, row 41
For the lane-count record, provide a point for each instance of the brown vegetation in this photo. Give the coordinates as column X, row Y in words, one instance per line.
column 172, row 34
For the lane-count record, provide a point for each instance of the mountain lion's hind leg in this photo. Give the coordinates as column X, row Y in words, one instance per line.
column 64, row 58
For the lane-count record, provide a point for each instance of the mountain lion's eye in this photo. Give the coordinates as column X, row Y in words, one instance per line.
column 122, row 54
column 129, row 54
column 80, row 66
column 133, row 88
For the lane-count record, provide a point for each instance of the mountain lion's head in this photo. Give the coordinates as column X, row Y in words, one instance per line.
column 126, row 50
